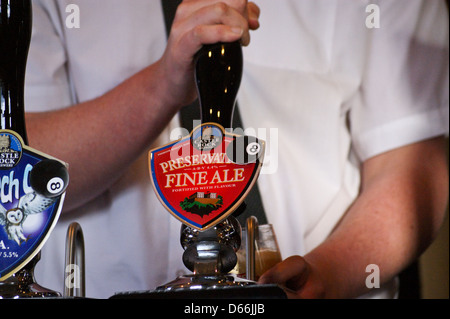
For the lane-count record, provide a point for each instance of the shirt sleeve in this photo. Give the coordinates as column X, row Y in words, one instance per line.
column 47, row 86
column 403, row 96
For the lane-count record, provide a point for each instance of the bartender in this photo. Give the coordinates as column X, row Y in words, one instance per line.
column 358, row 171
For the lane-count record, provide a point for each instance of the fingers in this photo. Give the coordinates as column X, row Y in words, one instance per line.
column 211, row 24
column 291, row 273
column 253, row 16
column 199, row 22
column 209, row 21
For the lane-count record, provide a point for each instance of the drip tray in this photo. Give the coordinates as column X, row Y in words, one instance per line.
column 228, row 292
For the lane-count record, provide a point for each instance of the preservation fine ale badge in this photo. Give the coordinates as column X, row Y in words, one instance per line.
column 31, row 197
column 202, row 178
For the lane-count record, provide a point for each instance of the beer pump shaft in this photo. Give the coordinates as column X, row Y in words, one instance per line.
column 218, row 76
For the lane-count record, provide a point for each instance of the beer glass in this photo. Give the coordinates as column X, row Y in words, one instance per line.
column 266, row 251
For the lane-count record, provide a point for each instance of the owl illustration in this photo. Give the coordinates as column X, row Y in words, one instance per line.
column 12, row 220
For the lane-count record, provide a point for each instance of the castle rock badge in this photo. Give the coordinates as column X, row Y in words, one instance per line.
column 10, row 150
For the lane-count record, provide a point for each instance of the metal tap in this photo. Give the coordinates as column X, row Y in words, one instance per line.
column 74, row 279
column 252, row 237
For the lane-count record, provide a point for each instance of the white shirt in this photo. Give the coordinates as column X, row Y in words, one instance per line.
column 325, row 91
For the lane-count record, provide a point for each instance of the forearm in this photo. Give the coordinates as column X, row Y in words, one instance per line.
column 396, row 216
column 100, row 138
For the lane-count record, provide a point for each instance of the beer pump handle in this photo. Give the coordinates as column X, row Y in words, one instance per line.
column 218, row 73
column 39, row 180
column 15, row 37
